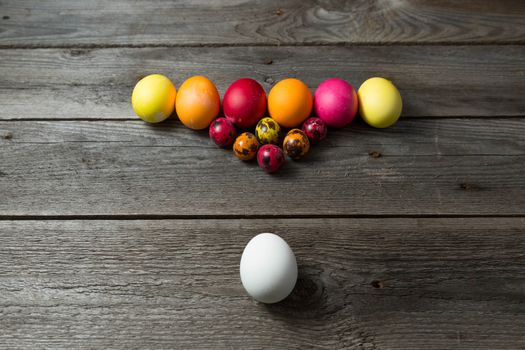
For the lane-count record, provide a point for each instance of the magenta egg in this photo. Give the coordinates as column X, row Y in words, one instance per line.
column 244, row 102
column 335, row 102
column 315, row 129
column 222, row 132
column 270, row 158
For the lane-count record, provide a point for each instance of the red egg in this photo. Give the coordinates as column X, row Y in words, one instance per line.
column 222, row 132
column 270, row 158
column 315, row 129
column 244, row 102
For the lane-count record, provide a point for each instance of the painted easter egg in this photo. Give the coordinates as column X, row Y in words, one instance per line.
column 245, row 146
column 335, row 102
column 222, row 132
column 290, row 102
column 268, row 131
column 197, row 103
column 315, row 129
column 153, row 98
column 380, row 103
column 296, row 144
column 270, row 158
column 244, row 102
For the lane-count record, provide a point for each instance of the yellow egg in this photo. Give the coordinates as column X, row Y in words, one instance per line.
column 153, row 98
column 380, row 103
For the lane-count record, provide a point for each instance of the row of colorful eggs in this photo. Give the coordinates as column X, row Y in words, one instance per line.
column 289, row 104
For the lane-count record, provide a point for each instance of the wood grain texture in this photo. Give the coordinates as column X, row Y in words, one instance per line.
column 433, row 80
column 130, row 22
column 364, row 284
column 376, row 272
column 417, row 167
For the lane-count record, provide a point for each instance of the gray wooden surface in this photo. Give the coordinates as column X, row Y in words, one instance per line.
column 364, row 283
column 418, row 167
column 126, row 22
column 115, row 234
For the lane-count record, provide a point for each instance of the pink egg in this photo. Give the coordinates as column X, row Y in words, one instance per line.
column 335, row 102
column 244, row 102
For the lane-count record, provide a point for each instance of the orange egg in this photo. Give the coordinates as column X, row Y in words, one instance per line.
column 289, row 102
column 197, row 103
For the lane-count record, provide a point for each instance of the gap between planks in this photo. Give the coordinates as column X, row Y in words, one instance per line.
column 220, row 45
column 244, row 217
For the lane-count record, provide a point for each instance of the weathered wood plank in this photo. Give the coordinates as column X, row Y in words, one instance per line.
column 434, row 80
column 364, row 284
column 427, row 167
column 409, row 137
column 127, row 22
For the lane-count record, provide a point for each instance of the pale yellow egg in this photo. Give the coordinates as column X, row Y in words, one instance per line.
column 380, row 103
column 153, row 98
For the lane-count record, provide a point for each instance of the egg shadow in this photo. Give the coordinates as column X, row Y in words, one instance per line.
column 308, row 299
column 287, row 170
column 168, row 124
column 203, row 135
column 173, row 127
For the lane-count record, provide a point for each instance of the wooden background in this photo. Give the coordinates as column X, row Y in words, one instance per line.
column 115, row 234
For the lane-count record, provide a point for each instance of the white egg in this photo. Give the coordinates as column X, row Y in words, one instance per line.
column 268, row 268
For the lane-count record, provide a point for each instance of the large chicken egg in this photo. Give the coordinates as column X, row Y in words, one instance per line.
column 335, row 102
column 268, row 268
column 197, row 103
column 290, row 102
column 153, row 98
column 380, row 103
column 244, row 102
